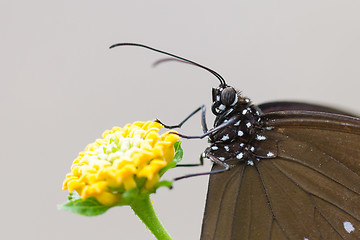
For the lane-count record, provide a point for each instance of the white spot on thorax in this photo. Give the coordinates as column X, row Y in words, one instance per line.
column 237, row 123
column 270, row 154
column 248, row 124
column 218, row 98
column 239, row 156
column 252, row 149
column 349, row 227
column 214, row 148
column 250, row 163
column 240, row 133
column 244, row 111
column 241, row 144
column 229, row 111
column 260, row 137
column 226, row 148
column 225, row 137
column 222, row 107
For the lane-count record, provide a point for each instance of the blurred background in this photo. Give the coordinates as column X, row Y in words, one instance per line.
column 61, row 87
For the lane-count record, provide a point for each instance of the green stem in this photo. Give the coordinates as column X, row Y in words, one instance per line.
column 144, row 210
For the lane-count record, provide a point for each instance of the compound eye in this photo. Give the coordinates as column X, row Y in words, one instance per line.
column 228, row 96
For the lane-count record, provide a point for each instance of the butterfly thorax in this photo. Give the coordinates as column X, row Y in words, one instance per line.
column 233, row 141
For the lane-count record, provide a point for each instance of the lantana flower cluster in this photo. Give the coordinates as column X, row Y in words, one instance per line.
column 124, row 159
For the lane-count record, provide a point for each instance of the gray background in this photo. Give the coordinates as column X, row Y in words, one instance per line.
column 61, row 87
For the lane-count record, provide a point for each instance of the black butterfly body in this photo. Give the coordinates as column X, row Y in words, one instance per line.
column 295, row 174
column 283, row 170
column 234, row 140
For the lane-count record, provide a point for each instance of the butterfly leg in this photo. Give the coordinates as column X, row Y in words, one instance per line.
column 202, row 108
column 203, row 119
column 211, row 131
column 193, row 164
column 213, row 159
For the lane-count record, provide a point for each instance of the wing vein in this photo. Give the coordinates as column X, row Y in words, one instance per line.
column 309, row 166
column 328, row 155
column 270, row 206
column 312, row 194
column 237, row 196
column 221, row 201
column 321, row 213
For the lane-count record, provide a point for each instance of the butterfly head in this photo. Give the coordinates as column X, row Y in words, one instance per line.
column 226, row 97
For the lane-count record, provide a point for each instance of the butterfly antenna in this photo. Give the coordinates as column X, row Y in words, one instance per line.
column 218, row 76
column 182, row 61
column 160, row 61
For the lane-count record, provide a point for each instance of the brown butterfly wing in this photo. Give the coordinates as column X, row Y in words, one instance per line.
column 299, row 106
column 235, row 198
column 310, row 190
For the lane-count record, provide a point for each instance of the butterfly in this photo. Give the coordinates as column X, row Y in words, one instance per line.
column 282, row 170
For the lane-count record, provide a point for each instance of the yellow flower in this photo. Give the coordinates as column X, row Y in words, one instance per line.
column 122, row 160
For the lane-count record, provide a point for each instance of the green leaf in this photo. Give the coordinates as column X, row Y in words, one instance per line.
column 164, row 183
column 178, row 152
column 129, row 195
column 177, row 158
column 132, row 195
column 88, row 207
